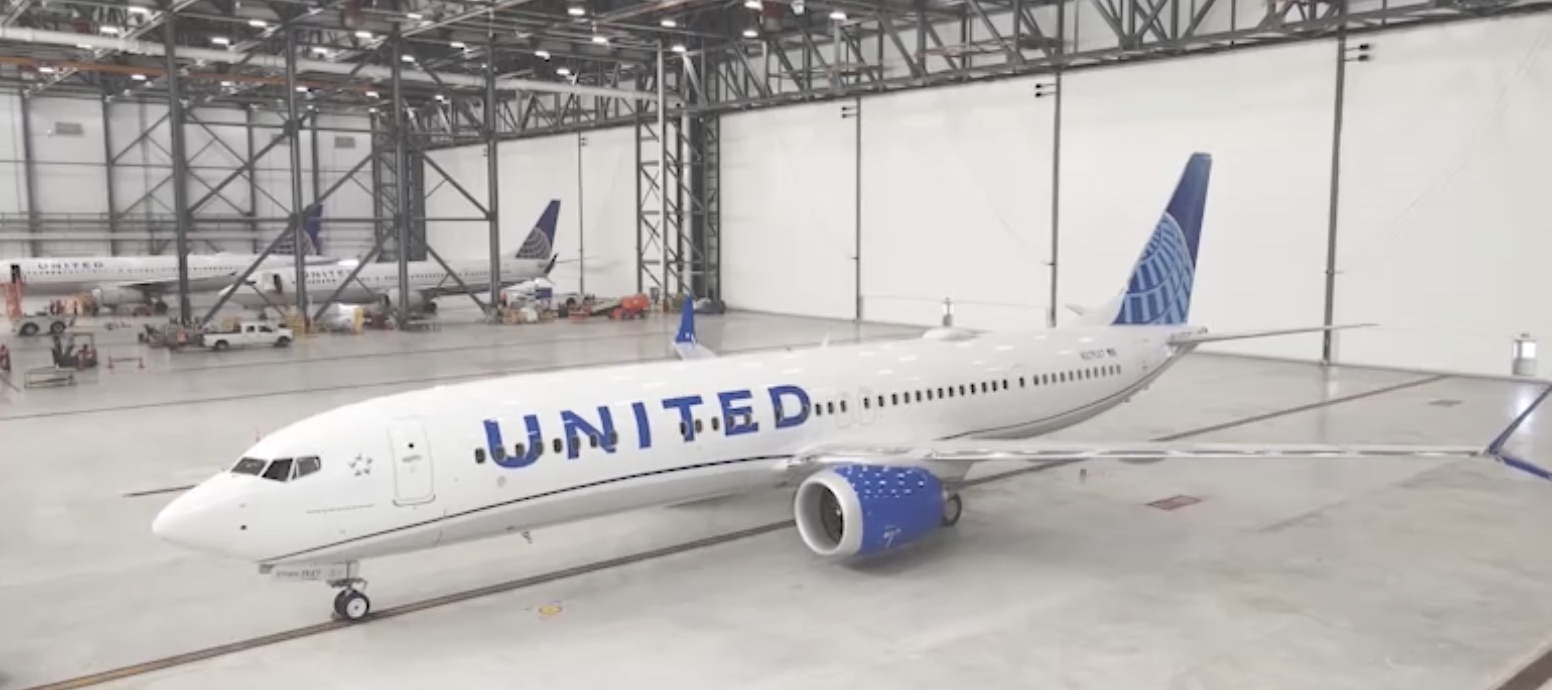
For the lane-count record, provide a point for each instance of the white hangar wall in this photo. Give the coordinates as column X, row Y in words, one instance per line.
column 593, row 175
column 72, row 177
column 1439, row 215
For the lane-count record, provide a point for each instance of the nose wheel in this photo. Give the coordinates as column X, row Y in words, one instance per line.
column 351, row 605
column 953, row 507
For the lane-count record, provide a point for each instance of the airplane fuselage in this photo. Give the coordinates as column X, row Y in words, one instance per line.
column 482, row 459
column 65, row 277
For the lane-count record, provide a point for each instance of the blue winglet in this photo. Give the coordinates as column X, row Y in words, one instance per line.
column 685, row 342
column 1496, row 448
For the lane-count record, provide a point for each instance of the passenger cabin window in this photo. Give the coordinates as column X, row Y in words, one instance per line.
column 479, row 455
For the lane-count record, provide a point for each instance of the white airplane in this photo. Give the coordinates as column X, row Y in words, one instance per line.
column 124, row 280
column 877, row 438
column 378, row 283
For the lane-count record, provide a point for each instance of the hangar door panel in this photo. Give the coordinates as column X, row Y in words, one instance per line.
column 789, row 211
column 1126, row 135
column 956, row 204
column 1443, row 234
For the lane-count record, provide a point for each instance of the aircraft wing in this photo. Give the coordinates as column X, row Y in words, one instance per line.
column 158, row 287
column 968, row 451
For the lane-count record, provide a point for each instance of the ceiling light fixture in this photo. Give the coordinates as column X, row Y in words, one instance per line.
column 257, row 23
column 364, row 35
column 407, row 58
column 414, row 16
column 751, row 33
column 838, row 16
column 109, row 29
column 45, row 69
column 133, row 9
column 562, row 71
column 679, row 48
column 600, row 39
column 221, row 40
column 83, row 46
column 752, row 4
column 542, row 54
column 668, row 23
column 138, row 77
column 371, row 94
column 576, row 10
column 459, row 45
column 228, row 84
column 301, row 89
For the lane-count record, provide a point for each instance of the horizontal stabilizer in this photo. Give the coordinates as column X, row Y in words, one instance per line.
column 1199, row 338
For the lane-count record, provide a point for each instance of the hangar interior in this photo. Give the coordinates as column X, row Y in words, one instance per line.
column 829, row 172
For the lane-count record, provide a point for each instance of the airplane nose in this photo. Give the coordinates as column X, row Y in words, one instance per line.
column 176, row 524
column 197, row 519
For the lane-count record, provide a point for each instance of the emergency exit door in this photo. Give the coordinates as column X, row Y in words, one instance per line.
column 413, row 476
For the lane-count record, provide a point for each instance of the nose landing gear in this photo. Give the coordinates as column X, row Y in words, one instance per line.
column 351, row 604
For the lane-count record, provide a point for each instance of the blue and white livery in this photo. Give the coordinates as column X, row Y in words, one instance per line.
column 876, row 437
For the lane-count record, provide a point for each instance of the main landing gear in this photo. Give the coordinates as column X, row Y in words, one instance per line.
column 351, row 604
column 953, row 507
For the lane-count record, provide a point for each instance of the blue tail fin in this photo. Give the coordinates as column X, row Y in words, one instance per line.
column 541, row 241
column 1159, row 290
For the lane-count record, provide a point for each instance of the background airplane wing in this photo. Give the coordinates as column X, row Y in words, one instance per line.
column 159, row 287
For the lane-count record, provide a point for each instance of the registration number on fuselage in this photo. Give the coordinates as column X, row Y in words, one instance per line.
column 1101, row 353
column 309, row 573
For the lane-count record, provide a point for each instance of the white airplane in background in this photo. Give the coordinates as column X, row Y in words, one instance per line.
column 124, row 280
column 877, row 438
column 378, row 283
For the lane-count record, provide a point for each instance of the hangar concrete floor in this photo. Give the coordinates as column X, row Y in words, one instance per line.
column 1331, row 573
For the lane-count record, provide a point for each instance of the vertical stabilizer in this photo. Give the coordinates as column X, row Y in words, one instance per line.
column 540, row 242
column 1158, row 292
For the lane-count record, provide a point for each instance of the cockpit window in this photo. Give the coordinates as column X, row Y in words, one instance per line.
column 307, row 465
column 279, row 470
column 253, row 466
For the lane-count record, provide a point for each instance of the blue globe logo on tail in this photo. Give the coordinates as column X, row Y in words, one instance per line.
column 1159, row 290
column 540, row 242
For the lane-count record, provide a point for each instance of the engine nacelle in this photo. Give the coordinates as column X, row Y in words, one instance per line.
column 857, row 510
column 417, row 301
column 110, row 297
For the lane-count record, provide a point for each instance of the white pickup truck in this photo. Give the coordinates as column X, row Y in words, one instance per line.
column 249, row 334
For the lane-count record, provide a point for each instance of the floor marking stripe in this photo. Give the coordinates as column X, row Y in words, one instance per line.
column 588, row 568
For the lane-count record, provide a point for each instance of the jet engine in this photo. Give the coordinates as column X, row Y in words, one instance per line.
column 417, row 301
column 110, row 297
column 857, row 510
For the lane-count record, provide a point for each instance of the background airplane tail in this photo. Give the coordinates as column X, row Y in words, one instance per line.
column 1158, row 293
column 540, row 242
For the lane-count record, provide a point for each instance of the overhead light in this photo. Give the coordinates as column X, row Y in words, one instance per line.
column 752, row 4
column 45, row 69
column 228, row 84
column 797, row 7
column 751, row 33
column 301, row 89
column 364, row 35
column 138, row 77
column 221, row 40
column 139, row 10
column 257, row 23
column 562, row 71
column 838, row 15
column 542, row 54
column 320, row 50
column 109, row 29
column 407, row 58
column 414, row 16
column 600, row 39
column 371, row 110
column 576, row 10
column 440, row 98
column 83, row 46
column 371, row 94
column 668, row 23
column 679, row 48
column 459, row 45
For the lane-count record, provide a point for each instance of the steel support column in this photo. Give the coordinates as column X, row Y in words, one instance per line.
column 180, row 169
column 298, row 208
column 30, row 170
column 492, row 173
column 1328, row 339
column 401, row 222
column 253, row 183
column 107, row 158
